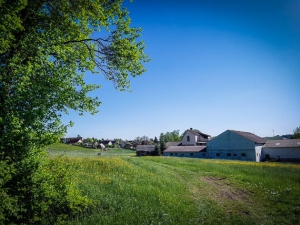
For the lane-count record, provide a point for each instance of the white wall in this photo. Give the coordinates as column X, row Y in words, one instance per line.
column 192, row 138
column 258, row 153
column 284, row 153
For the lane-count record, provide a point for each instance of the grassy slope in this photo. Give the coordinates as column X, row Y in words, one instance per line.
column 153, row 190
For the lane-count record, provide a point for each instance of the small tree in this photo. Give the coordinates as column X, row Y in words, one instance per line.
column 296, row 134
column 162, row 146
column 157, row 150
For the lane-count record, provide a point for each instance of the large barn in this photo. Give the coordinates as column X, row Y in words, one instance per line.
column 233, row 144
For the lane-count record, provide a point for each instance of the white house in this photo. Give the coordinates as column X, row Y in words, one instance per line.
column 193, row 144
column 285, row 150
column 193, row 137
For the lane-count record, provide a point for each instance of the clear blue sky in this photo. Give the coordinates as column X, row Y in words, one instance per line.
column 216, row 65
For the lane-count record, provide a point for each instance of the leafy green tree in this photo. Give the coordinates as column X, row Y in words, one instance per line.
column 296, row 134
column 170, row 136
column 45, row 49
column 157, row 150
column 162, row 146
column 155, row 140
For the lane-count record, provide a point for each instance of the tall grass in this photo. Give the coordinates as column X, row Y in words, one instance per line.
column 126, row 189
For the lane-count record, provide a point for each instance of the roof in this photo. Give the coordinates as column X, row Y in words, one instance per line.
column 285, row 143
column 250, row 136
column 73, row 140
column 197, row 132
column 146, row 148
column 173, row 143
column 202, row 137
column 186, row 149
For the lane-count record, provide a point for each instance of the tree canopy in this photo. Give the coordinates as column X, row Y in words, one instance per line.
column 45, row 49
column 170, row 136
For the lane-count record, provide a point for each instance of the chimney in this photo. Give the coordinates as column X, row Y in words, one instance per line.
column 191, row 128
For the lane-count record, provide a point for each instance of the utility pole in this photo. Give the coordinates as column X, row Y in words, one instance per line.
column 273, row 133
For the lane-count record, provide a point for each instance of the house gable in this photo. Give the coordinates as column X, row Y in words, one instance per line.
column 193, row 137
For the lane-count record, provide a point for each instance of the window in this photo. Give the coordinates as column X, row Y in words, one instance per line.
column 243, row 154
column 175, row 153
column 171, row 154
column 234, row 154
column 228, row 154
column 191, row 154
column 218, row 154
column 188, row 138
column 181, row 154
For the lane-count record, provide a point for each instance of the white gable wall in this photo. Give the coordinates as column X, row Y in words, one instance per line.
column 193, row 139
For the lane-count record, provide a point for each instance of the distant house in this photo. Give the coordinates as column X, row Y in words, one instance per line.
column 109, row 142
column 72, row 140
column 233, row 144
column 91, row 145
column 143, row 150
column 128, row 145
column 186, row 151
column 283, row 150
column 193, row 137
column 122, row 144
column 193, row 144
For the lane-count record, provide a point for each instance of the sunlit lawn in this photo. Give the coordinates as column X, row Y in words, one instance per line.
column 127, row 189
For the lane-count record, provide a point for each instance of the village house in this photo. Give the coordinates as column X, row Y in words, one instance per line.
column 72, row 140
column 193, row 137
column 143, row 150
column 193, row 144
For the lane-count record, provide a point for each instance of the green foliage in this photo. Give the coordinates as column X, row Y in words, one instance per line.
column 170, row 136
column 157, row 150
column 7, row 202
column 296, row 134
column 45, row 49
column 162, row 146
column 44, row 191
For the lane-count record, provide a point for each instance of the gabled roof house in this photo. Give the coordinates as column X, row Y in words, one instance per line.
column 193, row 144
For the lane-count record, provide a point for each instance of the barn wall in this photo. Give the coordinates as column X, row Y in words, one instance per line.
column 284, row 153
column 230, row 145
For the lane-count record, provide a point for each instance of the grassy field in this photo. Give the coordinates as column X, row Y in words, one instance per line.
column 166, row 190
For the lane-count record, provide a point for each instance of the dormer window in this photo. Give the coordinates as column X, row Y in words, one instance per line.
column 188, row 138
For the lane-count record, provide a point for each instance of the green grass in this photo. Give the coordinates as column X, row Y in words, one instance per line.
column 77, row 151
column 164, row 190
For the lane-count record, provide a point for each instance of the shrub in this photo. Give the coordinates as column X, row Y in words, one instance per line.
column 39, row 190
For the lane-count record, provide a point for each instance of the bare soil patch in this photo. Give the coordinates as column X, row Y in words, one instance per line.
column 225, row 194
